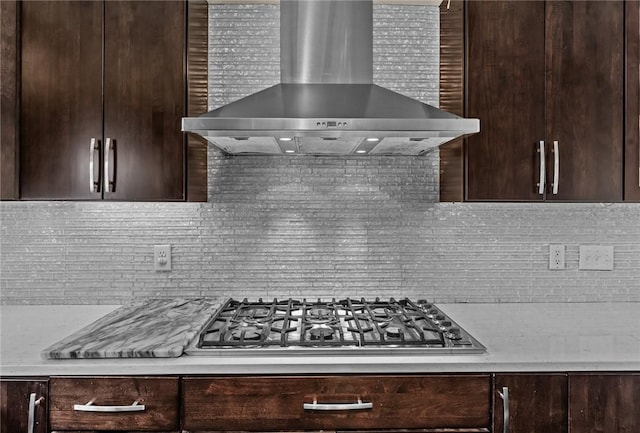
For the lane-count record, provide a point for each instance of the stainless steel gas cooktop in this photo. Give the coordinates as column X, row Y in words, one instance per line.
column 342, row 327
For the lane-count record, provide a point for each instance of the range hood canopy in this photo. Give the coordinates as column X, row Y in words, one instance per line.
column 327, row 103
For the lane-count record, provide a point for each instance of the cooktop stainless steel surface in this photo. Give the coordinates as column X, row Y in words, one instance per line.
column 342, row 327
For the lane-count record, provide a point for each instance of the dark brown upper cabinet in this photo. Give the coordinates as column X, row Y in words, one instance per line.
column 102, row 94
column 546, row 80
column 632, row 101
column 8, row 99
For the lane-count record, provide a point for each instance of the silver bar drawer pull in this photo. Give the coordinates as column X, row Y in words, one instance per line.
column 108, row 152
column 556, row 167
column 337, row 406
column 543, row 169
column 31, row 421
column 504, row 395
column 90, row 407
column 93, row 182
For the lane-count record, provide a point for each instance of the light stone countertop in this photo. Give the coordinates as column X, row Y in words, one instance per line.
column 519, row 337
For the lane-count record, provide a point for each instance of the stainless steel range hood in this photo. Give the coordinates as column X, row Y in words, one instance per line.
column 327, row 103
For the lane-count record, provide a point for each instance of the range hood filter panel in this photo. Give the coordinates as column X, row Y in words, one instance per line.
column 327, row 146
column 248, row 145
column 407, row 146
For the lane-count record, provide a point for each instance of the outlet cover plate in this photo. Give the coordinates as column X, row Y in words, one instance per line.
column 556, row 257
column 162, row 258
column 596, row 258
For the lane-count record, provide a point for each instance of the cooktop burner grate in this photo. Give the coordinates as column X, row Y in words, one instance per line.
column 346, row 323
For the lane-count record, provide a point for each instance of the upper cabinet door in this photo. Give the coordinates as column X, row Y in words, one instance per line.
column 584, row 93
column 546, row 80
column 144, row 88
column 632, row 102
column 60, row 98
column 102, row 97
column 505, row 90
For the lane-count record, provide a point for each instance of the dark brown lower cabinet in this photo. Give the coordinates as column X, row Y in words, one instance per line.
column 604, row 403
column 23, row 402
column 436, row 403
column 109, row 404
column 535, row 402
column 342, row 402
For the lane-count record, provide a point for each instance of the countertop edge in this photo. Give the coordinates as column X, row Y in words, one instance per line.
column 390, row 366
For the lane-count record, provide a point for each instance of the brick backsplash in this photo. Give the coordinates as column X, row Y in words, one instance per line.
column 293, row 229
column 316, row 226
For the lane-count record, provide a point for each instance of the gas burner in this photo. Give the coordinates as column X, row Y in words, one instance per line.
column 246, row 334
column 321, row 332
column 393, row 332
column 245, row 329
column 321, row 315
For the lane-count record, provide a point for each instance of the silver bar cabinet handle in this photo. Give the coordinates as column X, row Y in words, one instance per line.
column 31, row 421
column 337, row 406
column 93, row 183
column 543, row 169
column 107, row 151
column 504, row 395
column 556, row 167
column 90, row 407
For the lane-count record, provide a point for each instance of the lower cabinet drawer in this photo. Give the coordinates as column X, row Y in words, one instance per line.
column 114, row 403
column 337, row 402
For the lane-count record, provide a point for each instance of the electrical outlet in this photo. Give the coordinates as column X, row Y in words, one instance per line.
column 162, row 257
column 556, row 256
column 596, row 257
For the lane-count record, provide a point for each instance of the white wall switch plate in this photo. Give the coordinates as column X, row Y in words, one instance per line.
column 596, row 257
column 556, row 257
column 162, row 257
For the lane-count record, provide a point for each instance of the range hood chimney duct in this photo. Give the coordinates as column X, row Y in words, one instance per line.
column 326, row 103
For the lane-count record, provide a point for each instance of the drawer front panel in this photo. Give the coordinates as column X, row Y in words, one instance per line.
column 277, row 403
column 110, row 397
